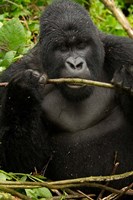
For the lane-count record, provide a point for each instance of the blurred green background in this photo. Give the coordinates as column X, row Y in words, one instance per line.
column 19, row 24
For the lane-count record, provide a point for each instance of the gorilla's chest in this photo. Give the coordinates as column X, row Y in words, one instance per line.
column 86, row 136
column 92, row 151
column 75, row 116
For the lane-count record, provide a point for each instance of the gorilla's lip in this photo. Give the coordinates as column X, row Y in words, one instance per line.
column 75, row 86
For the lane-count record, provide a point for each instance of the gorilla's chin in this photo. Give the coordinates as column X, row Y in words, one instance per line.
column 75, row 93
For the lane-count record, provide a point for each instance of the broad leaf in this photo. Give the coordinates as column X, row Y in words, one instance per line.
column 12, row 36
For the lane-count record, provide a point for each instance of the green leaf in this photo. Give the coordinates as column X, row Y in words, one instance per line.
column 31, row 193
column 8, row 58
column 4, row 177
column 12, row 36
column 23, row 178
column 43, row 192
column 38, row 192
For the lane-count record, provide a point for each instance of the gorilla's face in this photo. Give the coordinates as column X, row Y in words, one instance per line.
column 71, row 48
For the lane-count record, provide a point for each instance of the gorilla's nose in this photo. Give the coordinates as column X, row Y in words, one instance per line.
column 74, row 63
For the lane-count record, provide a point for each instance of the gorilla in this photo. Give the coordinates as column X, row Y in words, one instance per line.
column 66, row 130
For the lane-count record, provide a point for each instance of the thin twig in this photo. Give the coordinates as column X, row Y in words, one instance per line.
column 74, row 181
column 76, row 196
column 85, row 195
column 81, row 81
column 124, row 191
column 73, row 81
column 71, row 183
column 116, row 164
column 14, row 193
column 3, row 84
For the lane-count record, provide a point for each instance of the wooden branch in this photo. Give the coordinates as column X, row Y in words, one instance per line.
column 9, row 186
column 87, row 181
column 32, row 185
column 79, row 81
column 95, row 178
column 124, row 191
column 73, row 196
column 14, row 193
column 3, row 84
column 73, row 81
column 118, row 14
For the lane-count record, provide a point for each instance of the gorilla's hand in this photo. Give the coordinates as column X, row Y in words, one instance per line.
column 123, row 78
column 26, row 87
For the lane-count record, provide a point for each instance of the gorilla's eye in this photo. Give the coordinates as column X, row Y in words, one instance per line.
column 63, row 48
column 81, row 45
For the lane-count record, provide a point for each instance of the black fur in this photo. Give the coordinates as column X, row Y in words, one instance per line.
column 75, row 132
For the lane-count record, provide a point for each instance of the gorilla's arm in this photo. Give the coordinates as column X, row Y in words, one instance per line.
column 118, row 54
column 119, row 66
column 20, row 119
column 29, row 61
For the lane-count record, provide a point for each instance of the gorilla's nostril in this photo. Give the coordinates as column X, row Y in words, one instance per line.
column 71, row 65
column 79, row 66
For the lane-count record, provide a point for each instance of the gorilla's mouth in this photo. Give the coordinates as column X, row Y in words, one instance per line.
column 75, row 86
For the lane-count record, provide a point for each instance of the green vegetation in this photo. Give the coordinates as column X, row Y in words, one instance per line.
column 19, row 24
column 33, row 193
column 104, row 19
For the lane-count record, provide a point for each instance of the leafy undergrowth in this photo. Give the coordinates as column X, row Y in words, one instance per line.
column 19, row 186
column 13, row 31
column 10, row 189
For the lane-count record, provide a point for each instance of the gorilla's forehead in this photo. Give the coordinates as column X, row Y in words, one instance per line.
column 69, row 37
column 68, row 22
column 69, row 19
column 70, row 30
